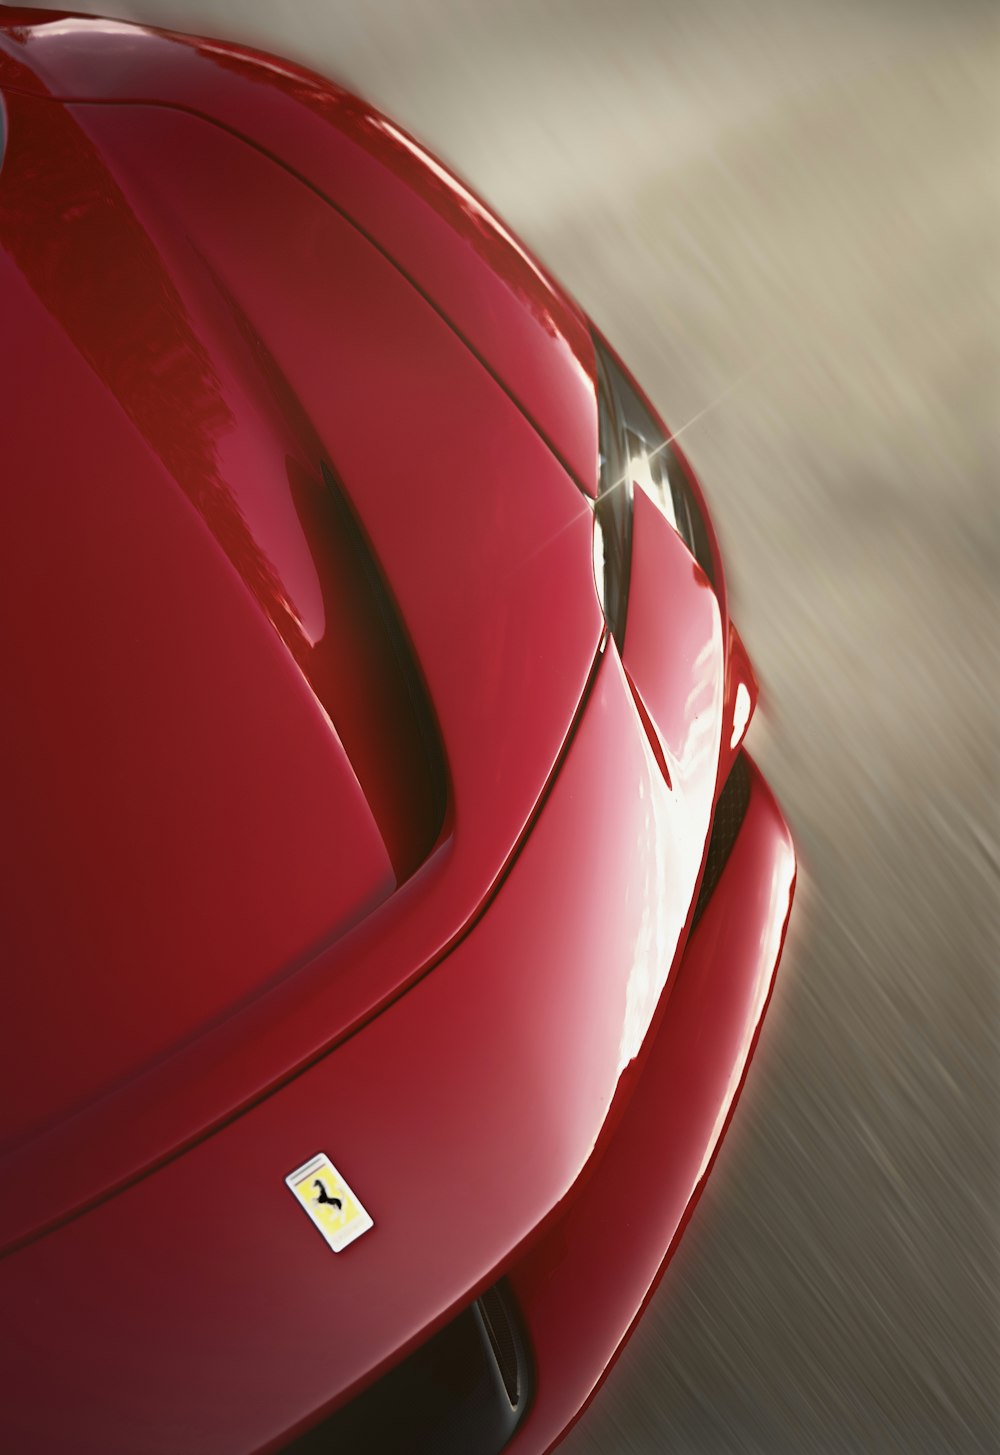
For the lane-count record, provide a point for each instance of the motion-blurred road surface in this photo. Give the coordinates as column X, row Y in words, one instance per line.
column 785, row 216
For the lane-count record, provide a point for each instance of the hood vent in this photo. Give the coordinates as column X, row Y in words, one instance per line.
column 463, row 1392
column 377, row 700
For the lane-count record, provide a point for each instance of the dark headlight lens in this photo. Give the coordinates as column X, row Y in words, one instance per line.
column 612, row 510
column 635, row 451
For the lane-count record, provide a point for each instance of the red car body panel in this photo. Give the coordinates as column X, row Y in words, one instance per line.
column 264, row 349
column 504, row 534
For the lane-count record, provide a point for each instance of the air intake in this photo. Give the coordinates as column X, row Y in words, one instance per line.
column 367, row 678
column 463, row 1392
column 497, row 1313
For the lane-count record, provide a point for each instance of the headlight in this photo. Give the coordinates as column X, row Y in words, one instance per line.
column 634, row 451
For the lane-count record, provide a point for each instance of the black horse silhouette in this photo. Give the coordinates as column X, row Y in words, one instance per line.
column 324, row 1196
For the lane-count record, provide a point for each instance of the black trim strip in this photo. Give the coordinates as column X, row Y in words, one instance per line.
column 730, row 812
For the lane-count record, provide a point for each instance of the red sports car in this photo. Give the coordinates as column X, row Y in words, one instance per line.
column 389, row 905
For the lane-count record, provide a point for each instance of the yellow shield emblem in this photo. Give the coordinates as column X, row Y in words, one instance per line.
column 334, row 1209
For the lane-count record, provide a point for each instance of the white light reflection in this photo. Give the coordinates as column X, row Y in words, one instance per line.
column 741, row 714
column 638, row 469
column 42, row 30
column 651, row 490
column 666, row 824
column 599, row 560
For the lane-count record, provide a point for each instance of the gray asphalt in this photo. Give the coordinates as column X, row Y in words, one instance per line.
column 785, row 216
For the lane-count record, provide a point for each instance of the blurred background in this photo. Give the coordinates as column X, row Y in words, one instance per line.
column 785, row 217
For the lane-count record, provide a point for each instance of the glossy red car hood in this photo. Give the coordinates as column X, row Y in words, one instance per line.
column 239, row 436
column 523, row 326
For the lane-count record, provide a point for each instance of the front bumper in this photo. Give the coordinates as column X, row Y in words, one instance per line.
column 582, row 1286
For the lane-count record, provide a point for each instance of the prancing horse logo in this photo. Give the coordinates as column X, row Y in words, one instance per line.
column 330, row 1203
column 325, row 1197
